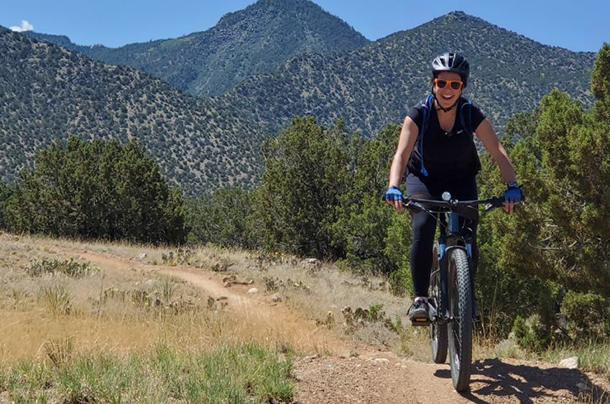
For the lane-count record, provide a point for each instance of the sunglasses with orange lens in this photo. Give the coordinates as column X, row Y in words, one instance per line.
column 454, row 84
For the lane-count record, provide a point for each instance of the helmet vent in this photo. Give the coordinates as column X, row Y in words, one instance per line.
column 451, row 62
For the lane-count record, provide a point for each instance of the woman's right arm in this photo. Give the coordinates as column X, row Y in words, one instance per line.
column 408, row 136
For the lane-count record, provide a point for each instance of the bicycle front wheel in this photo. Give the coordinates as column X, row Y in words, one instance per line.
column 460, row 324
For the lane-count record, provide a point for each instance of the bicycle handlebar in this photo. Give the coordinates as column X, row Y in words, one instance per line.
column 460, row 207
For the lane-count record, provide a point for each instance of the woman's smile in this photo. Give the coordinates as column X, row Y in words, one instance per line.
column 446, row 99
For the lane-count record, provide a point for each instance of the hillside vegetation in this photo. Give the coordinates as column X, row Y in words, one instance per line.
column 203, row 145
column 255, row 40
column 290, row 58
column 320, row 195
column 47, row 93
column 95, row 190
column 374, row 86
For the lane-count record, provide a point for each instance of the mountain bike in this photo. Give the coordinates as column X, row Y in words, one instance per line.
column 451, row 294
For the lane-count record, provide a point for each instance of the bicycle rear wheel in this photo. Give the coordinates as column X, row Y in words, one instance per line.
column 438, row 332
column 460, row 326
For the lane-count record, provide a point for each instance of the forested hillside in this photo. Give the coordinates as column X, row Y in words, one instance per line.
column 206, row 144
column 375, row 85
column 289, row 58
column 255, row 40
column 47, row 92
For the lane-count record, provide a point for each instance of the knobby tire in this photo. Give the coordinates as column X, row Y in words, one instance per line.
column 460, row 328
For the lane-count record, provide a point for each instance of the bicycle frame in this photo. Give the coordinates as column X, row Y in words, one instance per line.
column 451, row 236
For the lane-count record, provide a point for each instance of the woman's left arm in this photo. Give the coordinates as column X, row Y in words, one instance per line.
column 486, row 134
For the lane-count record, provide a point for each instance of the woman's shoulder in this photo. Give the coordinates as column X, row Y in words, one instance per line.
column 416, row 114
column 467, row 102
column 416, row 111
column 464, row 102
column 476, row 115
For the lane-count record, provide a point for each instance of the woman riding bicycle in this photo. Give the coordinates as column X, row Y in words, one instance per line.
column 443, row 158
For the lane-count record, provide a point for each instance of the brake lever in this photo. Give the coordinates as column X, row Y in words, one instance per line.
column 495, row 203
column 415, row 207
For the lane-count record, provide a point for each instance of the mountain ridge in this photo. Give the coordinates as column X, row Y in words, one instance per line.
column 510, row 73
column 48, row 92
column 243, row 43
column 204, row 144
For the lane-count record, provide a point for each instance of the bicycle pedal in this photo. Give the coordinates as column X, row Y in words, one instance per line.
column 420, row 322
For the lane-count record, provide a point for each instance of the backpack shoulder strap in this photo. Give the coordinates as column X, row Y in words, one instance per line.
column 461, row 114
column 426, row 105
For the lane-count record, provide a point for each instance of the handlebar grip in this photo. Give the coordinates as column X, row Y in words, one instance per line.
column 499, row 202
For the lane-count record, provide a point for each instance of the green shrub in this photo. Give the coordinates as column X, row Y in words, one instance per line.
column 69, row 268
column 296, row 202
column 587, row 314
column 97, row 190
column 5, row 194
column 376, row 312
column 401, row 283
column 223, row 218
column 532, row 334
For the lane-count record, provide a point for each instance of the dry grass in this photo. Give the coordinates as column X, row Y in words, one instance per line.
column 317, row 292
column 326, row 288
column 128, row 305
column 133, row 304
column 320, row 292
column 312, row 291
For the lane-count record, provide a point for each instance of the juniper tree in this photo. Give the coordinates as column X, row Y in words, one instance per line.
column 97, row 189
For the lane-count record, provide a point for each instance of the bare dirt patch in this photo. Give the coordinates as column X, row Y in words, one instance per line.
column 386, row 378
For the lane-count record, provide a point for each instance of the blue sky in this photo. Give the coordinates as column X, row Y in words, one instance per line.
column 577, row 25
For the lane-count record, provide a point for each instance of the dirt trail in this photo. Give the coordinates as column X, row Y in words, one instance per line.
column 374, row 376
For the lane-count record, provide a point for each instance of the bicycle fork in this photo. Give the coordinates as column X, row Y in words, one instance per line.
column 457, row 238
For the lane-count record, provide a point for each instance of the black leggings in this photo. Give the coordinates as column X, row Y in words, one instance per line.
column 424, row 226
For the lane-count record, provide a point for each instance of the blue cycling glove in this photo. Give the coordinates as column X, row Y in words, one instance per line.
column 513, row 194
column 393, row 194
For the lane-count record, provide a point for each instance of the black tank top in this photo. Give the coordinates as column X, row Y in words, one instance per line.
column 448, row 156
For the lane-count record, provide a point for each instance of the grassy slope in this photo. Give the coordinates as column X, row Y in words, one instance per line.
column 139, row 329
